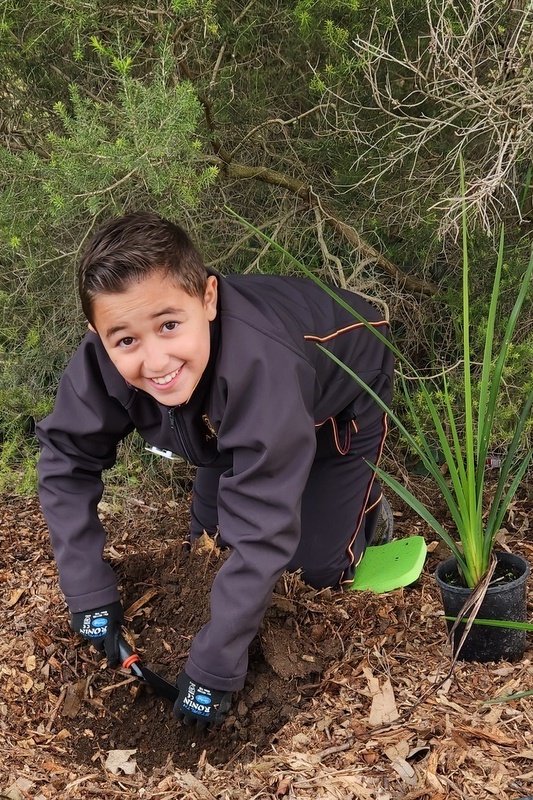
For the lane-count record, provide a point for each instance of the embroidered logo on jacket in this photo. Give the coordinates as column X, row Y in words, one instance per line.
column 211, row 434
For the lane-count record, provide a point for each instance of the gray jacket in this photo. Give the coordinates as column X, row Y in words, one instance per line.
column 266, row 389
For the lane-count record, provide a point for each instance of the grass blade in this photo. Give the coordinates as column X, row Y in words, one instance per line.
column 498, row 623
column 474, row 514
column 417, row 506
column 486, row 409
column 508, row 698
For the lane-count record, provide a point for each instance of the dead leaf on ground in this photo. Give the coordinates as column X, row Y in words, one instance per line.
column 118, row 761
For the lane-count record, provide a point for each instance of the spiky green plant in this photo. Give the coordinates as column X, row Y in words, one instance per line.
column 466, row 447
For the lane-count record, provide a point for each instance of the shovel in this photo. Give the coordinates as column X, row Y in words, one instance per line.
column 131, row 660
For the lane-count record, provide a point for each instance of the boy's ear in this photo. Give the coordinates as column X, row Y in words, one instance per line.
column 91, row 328
column 211, row 297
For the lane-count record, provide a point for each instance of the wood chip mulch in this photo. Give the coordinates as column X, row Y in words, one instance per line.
column 382, row 722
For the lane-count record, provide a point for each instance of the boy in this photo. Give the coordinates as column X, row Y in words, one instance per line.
column 225, row 372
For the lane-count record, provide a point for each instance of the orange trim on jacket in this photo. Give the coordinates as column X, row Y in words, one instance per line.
column 312, row 338
column 364, row 510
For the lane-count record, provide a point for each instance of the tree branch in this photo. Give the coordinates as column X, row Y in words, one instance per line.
column 243, row 172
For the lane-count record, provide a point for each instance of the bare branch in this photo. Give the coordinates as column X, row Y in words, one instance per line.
column 216, row 68
column 347, row 232
column 250, row 235
column 465, row 89
column 276, row 121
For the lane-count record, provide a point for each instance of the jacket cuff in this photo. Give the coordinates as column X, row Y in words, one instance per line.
column 213, row 681
column 92, row 600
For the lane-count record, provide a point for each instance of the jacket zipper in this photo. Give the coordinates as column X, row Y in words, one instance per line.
column 175, row 425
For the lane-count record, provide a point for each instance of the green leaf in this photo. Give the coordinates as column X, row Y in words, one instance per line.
column 498, row 623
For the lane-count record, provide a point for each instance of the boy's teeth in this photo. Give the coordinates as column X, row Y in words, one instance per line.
column 166, row 379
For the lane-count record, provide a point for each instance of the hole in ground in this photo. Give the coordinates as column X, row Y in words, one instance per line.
column 301, row 634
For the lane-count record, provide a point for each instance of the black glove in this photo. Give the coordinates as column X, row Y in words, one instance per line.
column 197, row 703
column 101, row 627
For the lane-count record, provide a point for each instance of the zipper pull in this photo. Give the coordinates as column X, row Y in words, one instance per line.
column 171, row 418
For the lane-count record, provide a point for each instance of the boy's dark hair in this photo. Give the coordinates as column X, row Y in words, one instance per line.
column 131, row 248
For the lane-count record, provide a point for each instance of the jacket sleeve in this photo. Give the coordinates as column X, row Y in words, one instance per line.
column 78, row 440
column 269, row 428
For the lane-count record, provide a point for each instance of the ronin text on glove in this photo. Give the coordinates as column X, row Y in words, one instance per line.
column 101, row 627
column 197, row 703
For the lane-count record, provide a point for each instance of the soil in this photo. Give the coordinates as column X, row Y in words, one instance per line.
column 503, row 573
column 348, row 695
column 296, row 641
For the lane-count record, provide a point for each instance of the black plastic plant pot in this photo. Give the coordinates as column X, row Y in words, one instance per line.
column 504, row 600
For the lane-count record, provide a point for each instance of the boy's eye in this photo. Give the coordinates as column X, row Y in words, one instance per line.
column 170, row 326
column 127, row 341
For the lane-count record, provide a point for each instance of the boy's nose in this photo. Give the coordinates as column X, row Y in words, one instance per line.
column 155, row 360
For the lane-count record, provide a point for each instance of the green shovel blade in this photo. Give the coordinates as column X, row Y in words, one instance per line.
column 389, row 566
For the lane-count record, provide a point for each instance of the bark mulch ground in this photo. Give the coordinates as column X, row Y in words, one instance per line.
column 348, row 695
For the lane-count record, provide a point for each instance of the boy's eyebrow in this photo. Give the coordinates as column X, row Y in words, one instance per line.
column 170, row 310
column 117, row 328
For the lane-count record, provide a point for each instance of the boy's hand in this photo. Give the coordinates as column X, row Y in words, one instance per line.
column 101, row 627
column 197, row 703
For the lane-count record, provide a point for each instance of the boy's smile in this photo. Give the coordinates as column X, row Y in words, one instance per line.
column 157, row 335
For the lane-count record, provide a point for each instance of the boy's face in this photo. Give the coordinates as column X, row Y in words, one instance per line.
column 157, row 335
